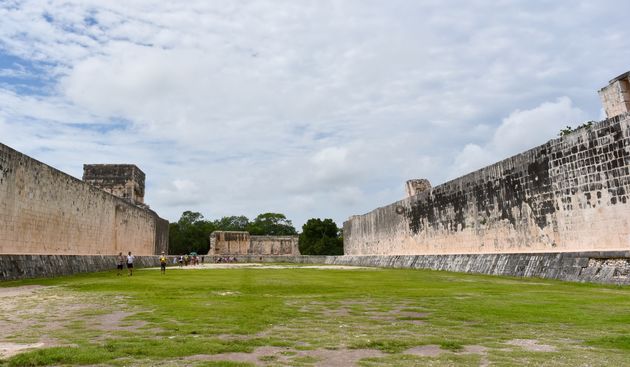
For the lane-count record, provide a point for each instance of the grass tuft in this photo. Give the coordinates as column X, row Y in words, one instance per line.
column 453, row 346
column 615, row 342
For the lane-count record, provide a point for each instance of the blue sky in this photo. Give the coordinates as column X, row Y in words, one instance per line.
column 311, row 108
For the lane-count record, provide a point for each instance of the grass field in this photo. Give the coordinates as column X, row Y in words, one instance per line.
column 298, row 316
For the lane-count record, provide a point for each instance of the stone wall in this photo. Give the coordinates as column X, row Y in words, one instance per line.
column 606, row 267
column 274, row 245
column 242, row 243
column 13, row 267
column 596, row 267
column 568, row 195
column 45, row 211
column 229, row 243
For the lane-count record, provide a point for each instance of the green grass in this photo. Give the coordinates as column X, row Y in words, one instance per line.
column 205, row 312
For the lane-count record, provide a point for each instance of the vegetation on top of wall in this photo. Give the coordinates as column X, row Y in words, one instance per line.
column 320, row 237
column 568, row 130
column 191, row 233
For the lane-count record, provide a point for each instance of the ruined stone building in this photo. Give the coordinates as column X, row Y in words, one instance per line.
column 616, row 96
column 232, row 243
column 45, row 211
column 570, row 194
column 123, row 180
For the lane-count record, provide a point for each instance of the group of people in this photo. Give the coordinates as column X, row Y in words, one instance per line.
column 121, row 260
column 185, row 260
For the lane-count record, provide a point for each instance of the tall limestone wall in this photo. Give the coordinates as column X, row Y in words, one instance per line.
column 570, row 194
column 45, row 211
column 242, row 243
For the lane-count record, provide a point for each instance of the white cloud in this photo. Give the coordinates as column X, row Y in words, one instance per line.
column 313, row 109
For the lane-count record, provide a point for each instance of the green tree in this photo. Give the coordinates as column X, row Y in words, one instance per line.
column 190, row 233
column 175, row 242
column 232, row 223
column 320, row 237
column 274, row 224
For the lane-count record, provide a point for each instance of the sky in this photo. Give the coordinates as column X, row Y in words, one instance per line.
column 313, row 109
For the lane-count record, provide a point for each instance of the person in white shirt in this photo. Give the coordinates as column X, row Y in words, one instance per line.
column 130, row 258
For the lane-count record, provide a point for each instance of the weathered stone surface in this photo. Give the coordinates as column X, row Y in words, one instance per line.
column 123, row 180
column 242, row 243
column 14, row 267
column 416, row 186
column 616, row 96
column 596, row 267
column 570, row 194
column 45, row 211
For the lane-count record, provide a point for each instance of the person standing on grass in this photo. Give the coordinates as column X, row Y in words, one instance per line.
column 120, row 260
column 163, row 263
column 130, row 259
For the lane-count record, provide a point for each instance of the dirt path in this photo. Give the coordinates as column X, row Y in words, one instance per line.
column 263, row 266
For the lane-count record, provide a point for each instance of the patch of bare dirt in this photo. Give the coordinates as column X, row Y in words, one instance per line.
column 10, row 349
column 36, row 316
column 115, row 321
column 22, row 308
column 264, row 356
column 475, row 349
column 262, row 266
column 435, row 351
column 532, row 345
column 19, row 291
column 425, row 351
column 341, row 357
column 339, row 312
column 253, row 357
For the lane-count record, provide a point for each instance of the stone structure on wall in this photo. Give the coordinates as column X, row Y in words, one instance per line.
column 242, row 243
column 414, row 187
column 45, row 211
column 570, row 194
column 616, row 96
column 123, row 180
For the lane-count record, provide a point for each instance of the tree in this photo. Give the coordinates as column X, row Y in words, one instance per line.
column 190, row 233
column 320, row 237
column 273, row 224
column 232, row 223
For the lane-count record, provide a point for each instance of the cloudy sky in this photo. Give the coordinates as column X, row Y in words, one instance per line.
column 308, row 108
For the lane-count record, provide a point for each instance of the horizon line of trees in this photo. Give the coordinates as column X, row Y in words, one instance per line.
column 191, row 233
